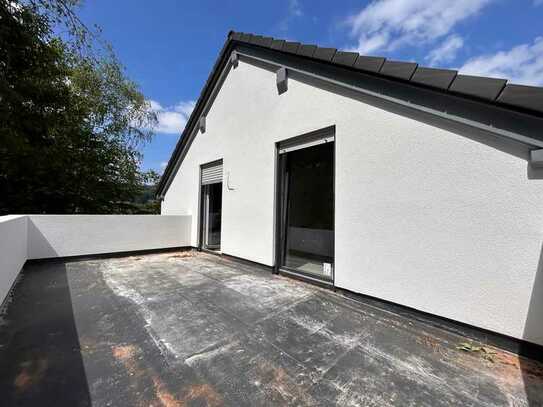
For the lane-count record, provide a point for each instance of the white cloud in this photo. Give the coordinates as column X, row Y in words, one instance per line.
column 155, row 106
column 161, row 167
column 294, row 10
column 172, row 119
column 521, row 64
column 538, row 2
column 385, row 25
column 446, row 51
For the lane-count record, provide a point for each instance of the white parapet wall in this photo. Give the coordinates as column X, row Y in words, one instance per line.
column 13, row 250
column 75, row 235
column 26, row 237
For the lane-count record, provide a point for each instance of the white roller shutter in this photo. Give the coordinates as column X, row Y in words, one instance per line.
column 289, row 148
column 212, row 174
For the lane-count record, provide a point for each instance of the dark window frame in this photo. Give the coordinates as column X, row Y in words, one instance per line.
column 280, row 200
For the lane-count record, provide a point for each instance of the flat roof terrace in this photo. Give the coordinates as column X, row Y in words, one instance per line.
column 187, row 328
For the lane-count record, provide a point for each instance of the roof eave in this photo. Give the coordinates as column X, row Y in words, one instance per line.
column 194, row 116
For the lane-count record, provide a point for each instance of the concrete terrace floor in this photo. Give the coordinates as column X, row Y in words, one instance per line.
column 186, row 329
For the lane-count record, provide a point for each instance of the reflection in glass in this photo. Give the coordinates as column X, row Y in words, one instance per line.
column 309, row 184
column 212, row 195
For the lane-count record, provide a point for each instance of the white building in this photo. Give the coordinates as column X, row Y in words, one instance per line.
column 413, row 185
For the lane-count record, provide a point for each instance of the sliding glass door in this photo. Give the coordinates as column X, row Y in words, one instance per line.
column 306, row 208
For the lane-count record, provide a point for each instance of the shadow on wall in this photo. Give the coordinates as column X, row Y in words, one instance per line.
column 508, row 146
column 533, row 331
column 38, row 243
column 504, row 145
column 40, row 350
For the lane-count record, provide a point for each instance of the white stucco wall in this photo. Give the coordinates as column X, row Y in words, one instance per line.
column 74, row 235
column 13, row 249
column 442, row 222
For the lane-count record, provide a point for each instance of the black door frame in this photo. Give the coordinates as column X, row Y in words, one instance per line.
column 281, row 199
column 201, row 205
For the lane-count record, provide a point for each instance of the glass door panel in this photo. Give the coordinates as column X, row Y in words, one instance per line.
column 212, row 207
column 308, row 210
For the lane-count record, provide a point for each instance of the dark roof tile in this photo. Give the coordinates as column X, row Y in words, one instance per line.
column 306, row 50
column 345, row 58
column 529, row 97
column 398, row 69
column 325, row 54
column 479, row 86
column 266, row 41
column 372, row 64
column 291, row 47
column 277, row 44
column 437, row 78
column 246, row 37
column 256, row 39
column 486, row 88
column 235, row 35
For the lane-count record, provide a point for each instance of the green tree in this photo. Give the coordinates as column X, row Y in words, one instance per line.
column 71, row 122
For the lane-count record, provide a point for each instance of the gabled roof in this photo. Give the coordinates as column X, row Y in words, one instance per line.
column 498, row 92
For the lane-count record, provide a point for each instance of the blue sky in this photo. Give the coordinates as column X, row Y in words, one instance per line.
column 168, row 47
